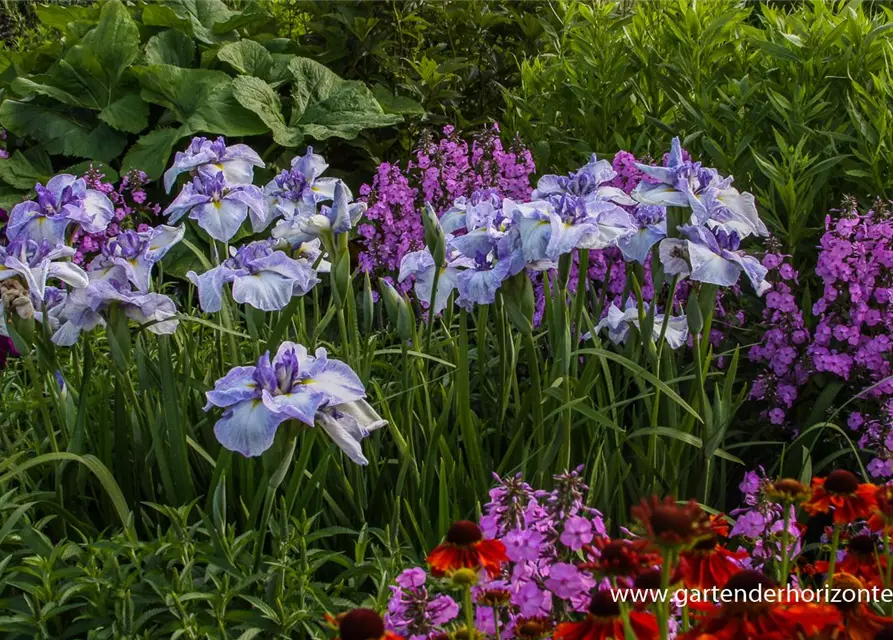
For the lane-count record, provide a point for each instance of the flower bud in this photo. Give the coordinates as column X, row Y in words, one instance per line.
column 520, row 304
column 434, row 236
column 464, row 577
column 397, row 308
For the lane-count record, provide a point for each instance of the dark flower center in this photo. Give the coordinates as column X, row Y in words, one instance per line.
column 670, row 519
column 649, row 579
column 885, row 634
column 789, row 487
column 706, row 544
column 841, row 482
column 748, row 580
column 361, row 624
column 862, row 545
column 603, row 605
column 464, row 533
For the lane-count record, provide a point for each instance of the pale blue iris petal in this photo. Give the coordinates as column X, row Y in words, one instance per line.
column 96, row 213
column 68, row 273
column 221, row 219
column 338, row 382
column 301, row 405
column 154, row 308
column 161, row 239
column 669, row 251
column 636, row 247
column 210, row 287
column 265, row 290
column 710, row 267
column 345, row 432
column 474, row 243
column 754, row 269
column 248, row 428
column 236, row 386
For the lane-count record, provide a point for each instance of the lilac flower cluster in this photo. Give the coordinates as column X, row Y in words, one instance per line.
column 441, row 171
column 783, row 344
column 877, row 436
column 760, row 522
column 854, row 335
column 132, row 211
column 543, row 531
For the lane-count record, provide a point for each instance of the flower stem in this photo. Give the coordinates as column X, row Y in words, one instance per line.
column 785, row 547
column 469, row 612
column 835, row 542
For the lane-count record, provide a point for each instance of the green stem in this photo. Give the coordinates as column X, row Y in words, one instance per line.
column 835, row 543
column 469, row 612
column 536, row 385
column 785, row 550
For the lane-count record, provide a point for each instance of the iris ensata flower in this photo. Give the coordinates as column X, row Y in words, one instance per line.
column 466, row 548
column 843, row 494
column 604, row 621
column 712, row 199
column 262, row 277
column 711, row 256
column 420, row 265
column 563, row 223
column 336, row 219
column 588, row 182
column 219, row 207
column 294, row 385
column 36, row 261
column 769, row 619
column 138, row 251
column 650, row 227
column 299, row 189
column 109, row 286
column 209, row 158
column 618, row 324
column 65, row 200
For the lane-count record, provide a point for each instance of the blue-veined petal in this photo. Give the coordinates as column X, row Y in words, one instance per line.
column 264, row 290
column 301, row 405
column 210, row 287
column 248, row 428
column 221, row 219
column 345, row 431
column 236, row 386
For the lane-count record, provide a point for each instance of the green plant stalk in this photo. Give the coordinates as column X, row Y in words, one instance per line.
column 835, row 543
column 785, row 551
column 469, row 611
column 663, row 608
column 535, row 386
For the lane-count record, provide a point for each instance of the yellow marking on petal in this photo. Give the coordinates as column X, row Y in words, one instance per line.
column 217, row 204
column 218, row 165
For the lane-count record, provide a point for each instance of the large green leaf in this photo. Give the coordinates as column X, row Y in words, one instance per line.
column 60, row 133
column 23, row 169
column 256, row 95
column 60, row 16
column 247, row 57
column 128, row 114
column 151, row 152
column 200, row 98
column 115, row 41
column 194, row 17
column 325, row 105
column 44, row 85
column 171, row 47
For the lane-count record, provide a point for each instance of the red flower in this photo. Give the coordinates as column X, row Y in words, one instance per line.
column 604, row 622
column 883, row 512
column 762, row 620
column 859, row 622
column 862, row 562
column 620, row 557
column 842, row 493
column 533, row 628
column 709, row 564
column 361, row 624
column 465, row 548
column 669, row 524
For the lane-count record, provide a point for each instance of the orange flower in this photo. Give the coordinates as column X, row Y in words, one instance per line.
column 859, row 622
column 709, row 564
column 862, row 561
column 361, row 624
column 787, row 490
column 604, row 622
column 668, row 524
column 465, row 548
column 533, row 628
column 620, row 557
column 762, row 620
column 883, row 512
column 842, row 492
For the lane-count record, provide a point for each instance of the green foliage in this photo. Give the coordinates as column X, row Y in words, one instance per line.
column 791, row 99
column 196, row 578
column 123, row 84
column 448, row 60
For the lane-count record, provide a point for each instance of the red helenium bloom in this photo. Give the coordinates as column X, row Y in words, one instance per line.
column 762, row 620
column 859, row 622
column 842, row 493
column 862, row 561
column 465, row 548
column 709, row 564
column 604, row 622
column 361, row 624
column 626, row 558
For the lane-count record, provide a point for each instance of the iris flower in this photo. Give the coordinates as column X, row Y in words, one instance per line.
column 218, row 207
column 338, row 218
column 420, row 265
column 650, row 225
column 298, row 190
column 209, row 158
column 138, row 251
column 711, row 256
column 38, row 261
column 65, row 200
column 294, row 385
column 588, row 183
column 618, row 324
column 262, row 277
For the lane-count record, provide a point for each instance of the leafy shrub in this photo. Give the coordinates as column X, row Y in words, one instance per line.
column 122, row 85
column 794, row 100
